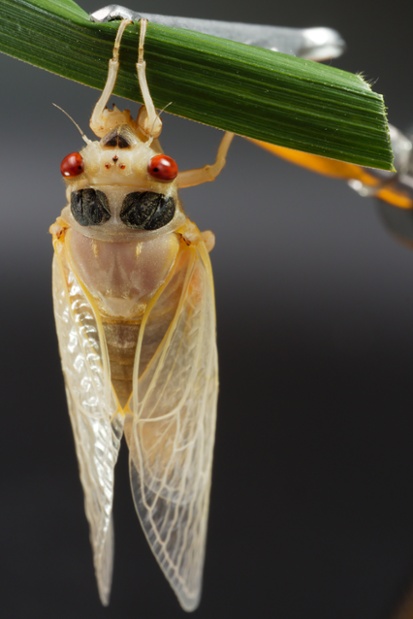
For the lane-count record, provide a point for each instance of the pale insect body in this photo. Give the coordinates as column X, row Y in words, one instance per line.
column 134, row 308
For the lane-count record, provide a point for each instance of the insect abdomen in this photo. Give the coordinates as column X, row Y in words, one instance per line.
column 121, row 339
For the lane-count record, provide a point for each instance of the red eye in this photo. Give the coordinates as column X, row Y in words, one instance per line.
column 163, row 168
column 72, row 165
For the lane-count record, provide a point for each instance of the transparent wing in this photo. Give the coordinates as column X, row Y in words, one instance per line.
column 171, row 432
column 96, row 427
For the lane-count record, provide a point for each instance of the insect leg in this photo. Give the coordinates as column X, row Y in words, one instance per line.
column 96, row 122
column 197, row 176
column 148, row 120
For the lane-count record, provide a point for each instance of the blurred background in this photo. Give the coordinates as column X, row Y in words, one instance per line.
column 312, row 502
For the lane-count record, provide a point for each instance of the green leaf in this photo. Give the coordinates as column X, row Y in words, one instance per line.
column 251, row 91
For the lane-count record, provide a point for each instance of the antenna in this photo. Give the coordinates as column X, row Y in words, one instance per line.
column 84, row 137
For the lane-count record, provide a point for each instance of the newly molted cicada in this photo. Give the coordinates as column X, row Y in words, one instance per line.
column 134, row 308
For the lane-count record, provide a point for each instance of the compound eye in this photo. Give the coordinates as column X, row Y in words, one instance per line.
column 163, row 168
column 72, row 165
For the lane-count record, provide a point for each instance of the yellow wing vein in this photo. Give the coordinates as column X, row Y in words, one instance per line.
column 171, row 434
column 96, row 428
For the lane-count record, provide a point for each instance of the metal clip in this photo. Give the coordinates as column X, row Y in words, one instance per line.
column 311, row 43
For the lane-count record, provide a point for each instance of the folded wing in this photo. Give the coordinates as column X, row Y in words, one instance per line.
column 96, row 427
column 171, row 432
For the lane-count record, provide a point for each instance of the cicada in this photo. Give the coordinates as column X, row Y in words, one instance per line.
column 134, row 308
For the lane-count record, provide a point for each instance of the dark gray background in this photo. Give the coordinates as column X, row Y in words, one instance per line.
column 312, row 507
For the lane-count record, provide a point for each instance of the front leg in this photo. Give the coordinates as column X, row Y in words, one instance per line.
column 197, row 176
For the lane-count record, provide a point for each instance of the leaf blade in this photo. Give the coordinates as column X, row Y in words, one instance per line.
column 254, row 92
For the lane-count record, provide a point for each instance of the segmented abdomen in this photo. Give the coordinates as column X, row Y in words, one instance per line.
column 121, row 339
